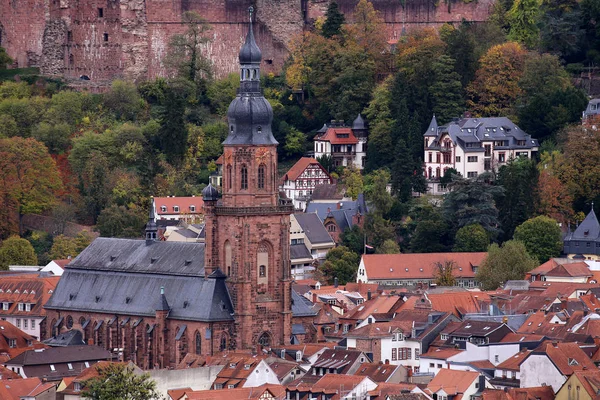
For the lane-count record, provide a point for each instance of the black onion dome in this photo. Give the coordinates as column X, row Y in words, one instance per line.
column 210, row 193
column 250, row 52
column 250, row 120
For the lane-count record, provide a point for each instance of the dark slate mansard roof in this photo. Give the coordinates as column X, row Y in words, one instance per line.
column 125, row 276
column 587, row 232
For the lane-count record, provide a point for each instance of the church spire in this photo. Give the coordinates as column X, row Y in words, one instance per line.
column 250, row 114
column 151, row 228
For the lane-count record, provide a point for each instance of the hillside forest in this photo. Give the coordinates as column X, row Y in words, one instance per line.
column 96, row 159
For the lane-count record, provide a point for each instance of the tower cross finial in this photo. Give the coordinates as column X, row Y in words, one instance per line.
column 250, row 11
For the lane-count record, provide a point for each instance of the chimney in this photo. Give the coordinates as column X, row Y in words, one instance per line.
column 481, row 383
column 335, row 282
column 339, row 205
column 369, row 295
column 314, row 297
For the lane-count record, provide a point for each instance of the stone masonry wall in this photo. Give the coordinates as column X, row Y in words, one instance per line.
column 130, row 39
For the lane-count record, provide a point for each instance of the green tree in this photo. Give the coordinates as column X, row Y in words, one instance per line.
column 378, row 229
column 353, row 180
column 378, row 113
column 118, row 381
column 333, row 22
column 471, row 238
column 57, row 138
column 341, row 263
column 29, row 177
column 221, row 92
column 430, row 237
column 354, row 239
column 82, row 240
column 444, row 273
column 541, row 236
column 446, row 90
column 295, row 143
column 185, row 50
column 4, row 59
column 16, row 251
column 376, row 191
column 120, row 221
column 388, row 246
column 509, row 262
column 62, row 247
column 518, row 202
column 471, row 201
column 123, row 100
column 523, row 18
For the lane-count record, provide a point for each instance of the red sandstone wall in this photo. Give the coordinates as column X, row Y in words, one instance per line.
column 139, row 31
column 22, row 25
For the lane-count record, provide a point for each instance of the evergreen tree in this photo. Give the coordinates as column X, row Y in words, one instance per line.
column 523, row 19
column 446, row 90
column 519, row 178
column 333, row 22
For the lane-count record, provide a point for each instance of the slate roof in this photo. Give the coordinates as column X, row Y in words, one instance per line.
column 589, row 229
column 313, row 228
column 94, row 283
column 127, row 255
column 342, row 215
column 477, row 130
column 301, row 306
column 326, row 192
column 61, row 355
column 299, row 251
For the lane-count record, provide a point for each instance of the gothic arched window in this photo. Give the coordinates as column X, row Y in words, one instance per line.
column 229, row 180
column 261, row 176
column 262, row 271
column 264, row 340
column 262, row 260
column 223, row 344
column 198, row 343
column 244, row 178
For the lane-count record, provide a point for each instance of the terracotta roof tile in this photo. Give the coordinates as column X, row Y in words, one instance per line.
column 385, row 389
column 15, row 389
column 298, row 168
column 276, row 391
column 513, row 363
column 418, row 265
column 176, row 394
column 441, row 353
column 32, row 288
column 338, row 136
column 377, row 372
column 453, row 382
column 184, row 204
column 567, row 357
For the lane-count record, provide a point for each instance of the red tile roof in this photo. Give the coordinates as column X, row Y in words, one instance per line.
column 567, row 357
column 62, row 263
column 441, row 353
column 513, row 363
column 419, row 265
column 183, row 203
column 277, row 391
column 453, row 382
column 590, row 380
column 573, row 270
column 377, row 372
column 457, row 303
column 176, row 394
column 338, row 136
column 301, row 165
column 384, row 390
column 26, row 288
column 15, row 389
column 23, row 341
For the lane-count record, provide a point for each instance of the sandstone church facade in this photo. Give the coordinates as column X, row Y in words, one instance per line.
column 153, row 302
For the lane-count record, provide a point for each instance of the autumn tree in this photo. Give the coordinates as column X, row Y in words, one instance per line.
column 340, row 263
column 444, row 273
column 353, row 180
column 16, row 251
column 185, row 50
column 29, row 177
column 503, row 263
column 496, row 84
column 64, row 247
column 581, row 171
column 541, row 236
column 555, row 199
column 367, row 31
column 471, row 238
column 119, row 381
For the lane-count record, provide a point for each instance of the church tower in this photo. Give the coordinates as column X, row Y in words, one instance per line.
column 247, row 230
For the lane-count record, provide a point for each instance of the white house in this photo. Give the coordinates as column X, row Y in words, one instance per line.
column 300, row 181
column 448, row 384
column 472, row 146
column 262, row 374
column 346, row 145
column 417, row 268
column 552, row 364
column 188, row 209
